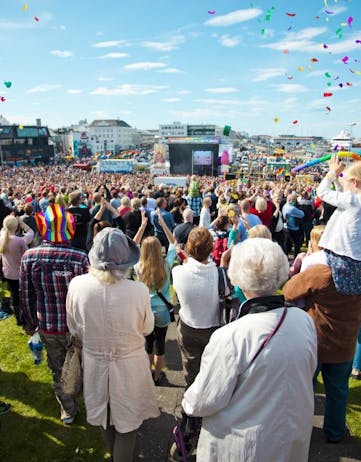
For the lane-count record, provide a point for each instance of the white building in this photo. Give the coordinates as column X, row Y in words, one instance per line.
column 172, row 130
column 110, row 135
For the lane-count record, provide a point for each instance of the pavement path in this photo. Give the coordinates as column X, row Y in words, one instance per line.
column 155, row 436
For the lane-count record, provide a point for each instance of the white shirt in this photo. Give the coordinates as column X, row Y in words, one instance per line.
column 343, row 230
column 196, row 285
column 316, row 258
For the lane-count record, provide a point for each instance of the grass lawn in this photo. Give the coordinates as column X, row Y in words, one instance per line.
column 32, row 430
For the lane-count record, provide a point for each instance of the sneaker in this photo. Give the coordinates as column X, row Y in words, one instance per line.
column 68, row 420
column 159, row 380
column 4, row 408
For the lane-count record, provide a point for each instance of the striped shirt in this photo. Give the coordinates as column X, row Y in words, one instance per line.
column 45, row 274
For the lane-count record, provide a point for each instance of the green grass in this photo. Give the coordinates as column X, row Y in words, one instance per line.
column 32, row 431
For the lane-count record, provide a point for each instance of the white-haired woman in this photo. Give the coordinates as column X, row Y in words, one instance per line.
column 254, row 389
column 12, row 248
column 111, row 314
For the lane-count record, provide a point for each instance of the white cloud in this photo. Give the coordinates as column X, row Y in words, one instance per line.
column 219, row 102
column 290, row 88
column 171, row 100
column 299, row 41
column 100, row 34
column 183, row 92
column 198, row 115
column 45, row 87
column 172, row 70
column 222, row 90
column 62, row 53
column 105, row 79
column 318, row 73
column 129, row 89
column 265, row 74
column 335, row 9
column 74, row 91
column 111, row 43
column 171, row 44
column 12, row 25
column 227, row 41
column 114, row 55
column 234, row 17
column 144, row 65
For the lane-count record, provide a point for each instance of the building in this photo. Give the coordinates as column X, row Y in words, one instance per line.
column 172, row 130
column 25, row 145
column 110, row 135
column 293, row 140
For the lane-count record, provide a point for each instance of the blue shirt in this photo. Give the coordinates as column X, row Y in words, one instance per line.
column 290, row 214
column 167, row 217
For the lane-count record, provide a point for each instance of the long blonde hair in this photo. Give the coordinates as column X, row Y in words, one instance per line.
column 151, row 266
column 10, row 224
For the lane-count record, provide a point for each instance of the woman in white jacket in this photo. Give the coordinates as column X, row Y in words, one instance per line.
column 254, row 389
column 196, row 285
column 111, row 314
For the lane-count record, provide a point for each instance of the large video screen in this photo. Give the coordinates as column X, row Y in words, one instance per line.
column 197, row 158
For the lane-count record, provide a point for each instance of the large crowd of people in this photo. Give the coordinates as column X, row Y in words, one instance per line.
column 90, row 258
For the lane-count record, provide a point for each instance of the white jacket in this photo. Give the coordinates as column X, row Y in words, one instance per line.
column 263, row 413
column 196, row 285
column 111, row 320
column 342, row 234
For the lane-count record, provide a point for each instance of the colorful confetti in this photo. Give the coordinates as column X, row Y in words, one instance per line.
column 25, row 7
column 211, row 12
column 291, row 14
column 276, row 120
column 7, row 84
column 340, row 85
column 328, row 75
column 345, row 59
column 328, row 108
column 314, row 60
column 335, row 147
column 349, row 84
column 329, row 12
column 2, row 99
column 295, row 122
column 325, row 45
column 349, row 21
column 358, row 41
column 327, row 95
column 36, row 19
column 300, row 68
column 286, row 52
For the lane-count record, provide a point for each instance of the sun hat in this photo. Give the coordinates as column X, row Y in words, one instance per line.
column 113, row 250
column 55, row 224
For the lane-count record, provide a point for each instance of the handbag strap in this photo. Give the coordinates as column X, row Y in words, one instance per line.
column 268, row 338
column 162, row 297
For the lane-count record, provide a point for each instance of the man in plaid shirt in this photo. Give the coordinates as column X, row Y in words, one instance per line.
column 45, row 274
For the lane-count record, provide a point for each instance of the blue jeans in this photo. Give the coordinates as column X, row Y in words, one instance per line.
column 357, row 359
column 335, row 379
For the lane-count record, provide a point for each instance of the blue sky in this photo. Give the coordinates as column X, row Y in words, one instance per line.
column 248, row 65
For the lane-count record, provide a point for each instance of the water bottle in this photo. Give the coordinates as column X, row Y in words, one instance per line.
column 36, row 348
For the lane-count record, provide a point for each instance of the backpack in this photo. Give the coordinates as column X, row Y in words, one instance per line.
column 228, row 307
column 219, row 246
